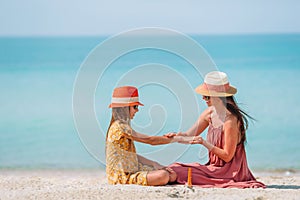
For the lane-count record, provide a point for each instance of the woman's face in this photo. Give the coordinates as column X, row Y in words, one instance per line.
column 211, row 101
column 133, row 110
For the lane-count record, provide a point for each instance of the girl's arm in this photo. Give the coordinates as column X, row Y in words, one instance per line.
column 153, row 140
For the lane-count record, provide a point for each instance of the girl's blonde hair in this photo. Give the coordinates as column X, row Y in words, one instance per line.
column 121, row 114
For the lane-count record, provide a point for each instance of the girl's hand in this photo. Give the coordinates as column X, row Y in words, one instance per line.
column 172, row 174
column 172, row 134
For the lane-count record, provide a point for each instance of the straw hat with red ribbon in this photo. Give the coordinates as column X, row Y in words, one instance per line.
column 125, row 96
column 216, row 84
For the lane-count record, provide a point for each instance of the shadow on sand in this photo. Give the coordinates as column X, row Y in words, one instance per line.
column 292, row 187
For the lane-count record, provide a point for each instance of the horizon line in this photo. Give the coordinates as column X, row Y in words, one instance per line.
column 114, row 34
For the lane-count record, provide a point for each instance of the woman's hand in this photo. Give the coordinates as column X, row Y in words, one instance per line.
column 197, row 140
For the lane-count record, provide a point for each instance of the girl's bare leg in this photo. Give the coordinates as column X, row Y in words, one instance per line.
column 161, row 177
column 157, row 177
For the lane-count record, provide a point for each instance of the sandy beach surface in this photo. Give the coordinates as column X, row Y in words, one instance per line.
column 92, row 184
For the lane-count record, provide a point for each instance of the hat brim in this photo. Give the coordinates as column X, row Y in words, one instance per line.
column 118, row 105
column 202, row 89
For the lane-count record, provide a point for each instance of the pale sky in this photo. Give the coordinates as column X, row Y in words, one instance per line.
column 96, row 17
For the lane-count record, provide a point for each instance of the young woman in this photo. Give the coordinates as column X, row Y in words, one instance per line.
column 227, row 124
column 123, row 164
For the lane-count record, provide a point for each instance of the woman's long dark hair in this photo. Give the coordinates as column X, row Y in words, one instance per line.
column 242, row 116
column 119, row 113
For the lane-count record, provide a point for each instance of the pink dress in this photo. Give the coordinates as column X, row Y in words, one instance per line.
column 218, row 173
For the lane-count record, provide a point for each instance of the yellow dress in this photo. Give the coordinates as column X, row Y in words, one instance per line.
column 122, row 165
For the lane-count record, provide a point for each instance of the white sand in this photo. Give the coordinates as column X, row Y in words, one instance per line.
column 79, row 184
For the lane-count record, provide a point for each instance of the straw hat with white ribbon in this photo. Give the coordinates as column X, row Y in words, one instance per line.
column 216, row 84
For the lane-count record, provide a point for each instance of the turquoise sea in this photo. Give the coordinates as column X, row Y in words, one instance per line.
column 37, row 76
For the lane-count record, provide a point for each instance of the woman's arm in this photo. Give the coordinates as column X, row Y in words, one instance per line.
column 200, row 125
column 231, row 136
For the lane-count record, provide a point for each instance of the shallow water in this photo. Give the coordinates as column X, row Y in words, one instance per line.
column 37, row 77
